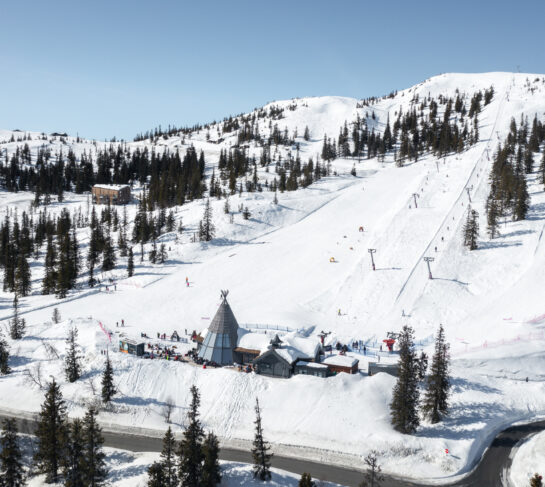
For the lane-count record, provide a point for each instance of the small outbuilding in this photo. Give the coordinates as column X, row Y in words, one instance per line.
column 126, row 345
column 311, row 368
column 341, row 363
column 114, row 194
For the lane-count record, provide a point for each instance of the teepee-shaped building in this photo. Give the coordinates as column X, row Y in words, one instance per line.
column 222, row 336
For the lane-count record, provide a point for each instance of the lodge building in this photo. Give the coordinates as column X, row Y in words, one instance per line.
column 225, row 343
column 114, row 194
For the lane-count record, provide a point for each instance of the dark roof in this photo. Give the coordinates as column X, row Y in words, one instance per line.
column 222, row 335
column 276, row 342
column 272, row 351
column 224, row 322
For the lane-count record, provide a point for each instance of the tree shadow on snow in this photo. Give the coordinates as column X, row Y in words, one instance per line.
column 496, row 245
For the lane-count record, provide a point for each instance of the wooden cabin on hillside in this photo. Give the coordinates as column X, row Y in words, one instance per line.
column 115, row 194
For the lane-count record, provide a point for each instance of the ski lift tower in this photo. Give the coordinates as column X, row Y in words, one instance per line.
column 371, row 252
column 428, row 260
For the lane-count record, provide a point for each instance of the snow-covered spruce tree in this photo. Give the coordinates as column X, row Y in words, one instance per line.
column 536, row 481
column 156, row 476
column 435, row 404
column 16, row 325
column 153, row 253
column 167, row 464
column 522, row 199
column 207, row 230
column 50, row 277
column 403, row 408
column 94, row 466
column 56, row 316
column 130, row 263
column 260, row 450
column 4, row 356
column 471, row 229
column 51, row 433
column 23, row 281
column 211, row 471
column 108, row 254
column 72, row 461
column 72, row 366
column 190, row 449
column 246, row 213
column 11, row 456
column 108, row 387
column 64, row 272
column 306, row 481
column 373, row 476
column 422, row 366
column 162, row 254
column 492, row 216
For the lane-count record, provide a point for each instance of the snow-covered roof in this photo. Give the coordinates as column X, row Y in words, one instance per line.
column 341, row 361
column 313, row 365
column 115, row 187
column 253, row 341
column 294, row 345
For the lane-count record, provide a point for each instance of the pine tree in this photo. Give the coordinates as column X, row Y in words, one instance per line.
column 211, row 471
column 422, row 366
column 207, row 229
column 51, row 433
column 108, row 387
column 56, row 317
column 403, row 408
column 94, row 465
column 11, row 456
column 156, row 476
column 73, row 463
column 522, row 199
column 536, row 481
column 64, row 271
column 306, row 135
column 72, row 366
column 22, row 276
column 471, row 229
column 16, row 325
column 260, row 450
column 162, row 254
column 168, row 460
column 4, row 356
column 246, row 213
column 492, row 216
column 153, row 253
column 108, row 254
column 373, row 477
column 190, row 449
column 50, row 277
column 130, row 264
column 306, row 481
column 435, row 404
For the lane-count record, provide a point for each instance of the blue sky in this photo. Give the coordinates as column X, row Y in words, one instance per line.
column 115, row 68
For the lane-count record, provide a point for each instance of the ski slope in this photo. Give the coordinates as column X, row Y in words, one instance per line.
column 278, row 271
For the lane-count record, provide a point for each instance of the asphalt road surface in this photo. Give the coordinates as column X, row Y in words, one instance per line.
column 488, row 472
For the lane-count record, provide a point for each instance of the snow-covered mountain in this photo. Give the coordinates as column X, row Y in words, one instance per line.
column 277, row 266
